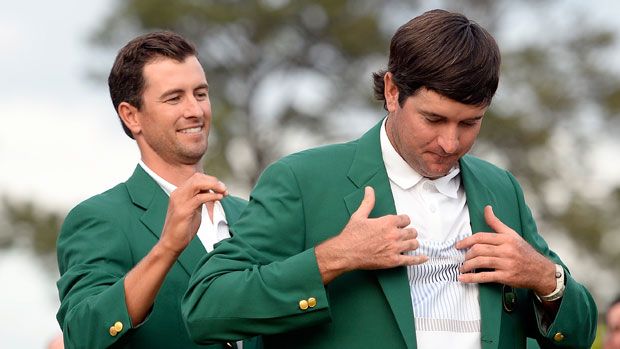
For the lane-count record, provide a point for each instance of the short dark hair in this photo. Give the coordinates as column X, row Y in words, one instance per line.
column 126, row 79
column 444, row 52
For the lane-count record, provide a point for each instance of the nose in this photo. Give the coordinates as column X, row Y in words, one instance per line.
column 448, row 140
column 193, row 108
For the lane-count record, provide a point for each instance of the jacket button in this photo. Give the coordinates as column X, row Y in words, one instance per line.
column 558, row 337
column 118, row 326
column 113, row 331
column 312, row 302
column 303, row 304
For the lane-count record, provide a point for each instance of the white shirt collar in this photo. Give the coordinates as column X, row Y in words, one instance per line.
column 399, row 171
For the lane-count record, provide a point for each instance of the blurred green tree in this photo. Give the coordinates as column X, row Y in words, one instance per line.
column 23, row 224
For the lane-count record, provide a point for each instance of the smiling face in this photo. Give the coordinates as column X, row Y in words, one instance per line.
column 429, row 131
column 172, row 125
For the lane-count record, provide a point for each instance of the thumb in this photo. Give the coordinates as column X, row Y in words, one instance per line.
column 494, row 223
column 367, row 204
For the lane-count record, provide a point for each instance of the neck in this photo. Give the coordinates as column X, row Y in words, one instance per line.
column 390, row 135
column 176, row 174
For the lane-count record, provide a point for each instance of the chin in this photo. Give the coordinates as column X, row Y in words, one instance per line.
column 434, row 174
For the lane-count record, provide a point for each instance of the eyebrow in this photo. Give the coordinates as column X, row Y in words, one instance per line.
column 179, row 90
column 428, row 113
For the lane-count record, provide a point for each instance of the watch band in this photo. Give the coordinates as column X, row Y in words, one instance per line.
column 559, row 288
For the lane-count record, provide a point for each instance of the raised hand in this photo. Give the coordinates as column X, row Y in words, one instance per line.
column 506, row 258
column 368, row 243
column 185, row 210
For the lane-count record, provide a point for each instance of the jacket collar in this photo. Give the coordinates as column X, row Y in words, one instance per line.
column 478, row 196
column 368, row 169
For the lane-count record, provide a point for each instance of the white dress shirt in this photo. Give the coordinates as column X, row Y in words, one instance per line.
column 209, row 232
column 447, row 312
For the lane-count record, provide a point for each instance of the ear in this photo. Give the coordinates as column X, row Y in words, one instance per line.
column 129, row 114
column 390, row 92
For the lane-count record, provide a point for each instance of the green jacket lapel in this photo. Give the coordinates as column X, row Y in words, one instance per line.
column 478, row 196
column 368, row 169
column 148, row 195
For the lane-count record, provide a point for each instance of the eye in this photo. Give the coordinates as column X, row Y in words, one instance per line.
column 201, row 94
column 173, row 99
column 470, row 123
column 432, row 120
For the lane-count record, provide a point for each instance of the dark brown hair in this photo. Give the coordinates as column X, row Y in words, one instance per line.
column 126, row 79
column 444, row 52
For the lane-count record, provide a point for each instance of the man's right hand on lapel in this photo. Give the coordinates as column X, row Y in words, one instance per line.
column 185, row 210
column 368, row 243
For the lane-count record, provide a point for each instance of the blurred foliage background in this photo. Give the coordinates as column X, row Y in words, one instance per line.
column 287, row 75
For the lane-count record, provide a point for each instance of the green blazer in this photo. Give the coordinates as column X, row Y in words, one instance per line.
column 259, row 277
column 101, row 240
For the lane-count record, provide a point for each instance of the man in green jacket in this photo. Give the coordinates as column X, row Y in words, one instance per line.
column 125, row 256
column 398, row 239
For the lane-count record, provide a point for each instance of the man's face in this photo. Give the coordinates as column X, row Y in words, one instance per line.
column 175, row 116
column 431, row 132
column 612, row 338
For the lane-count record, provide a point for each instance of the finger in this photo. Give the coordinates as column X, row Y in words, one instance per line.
column 409, row 233
column 482, row 250
column 481, row 262
column 494, row 223
column 479, row 238
column 203, row 198
column 208, row 184
column 408, row 245
column 202, row 182
column 367, row 204
column 478, row 278
column 412, row 260
column 198, row 183
column 402, row 220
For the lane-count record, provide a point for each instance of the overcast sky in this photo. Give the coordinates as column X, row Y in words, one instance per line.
column 57, row 142
column 57, row 145
column 60, row 141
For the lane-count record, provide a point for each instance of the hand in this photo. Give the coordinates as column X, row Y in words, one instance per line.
column 368, row 243
column 510, row 258
column 185, row 210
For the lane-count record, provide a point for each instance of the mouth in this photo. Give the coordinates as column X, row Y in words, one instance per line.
column 196, row 129
column 442, row 158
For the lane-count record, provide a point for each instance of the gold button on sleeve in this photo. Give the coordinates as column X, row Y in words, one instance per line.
column 113, row 331
column 118, row 326
column 558, row 337
column 303, row 304
column 312, row 302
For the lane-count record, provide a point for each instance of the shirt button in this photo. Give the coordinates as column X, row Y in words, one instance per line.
column 433, row 209
column 428, row 186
